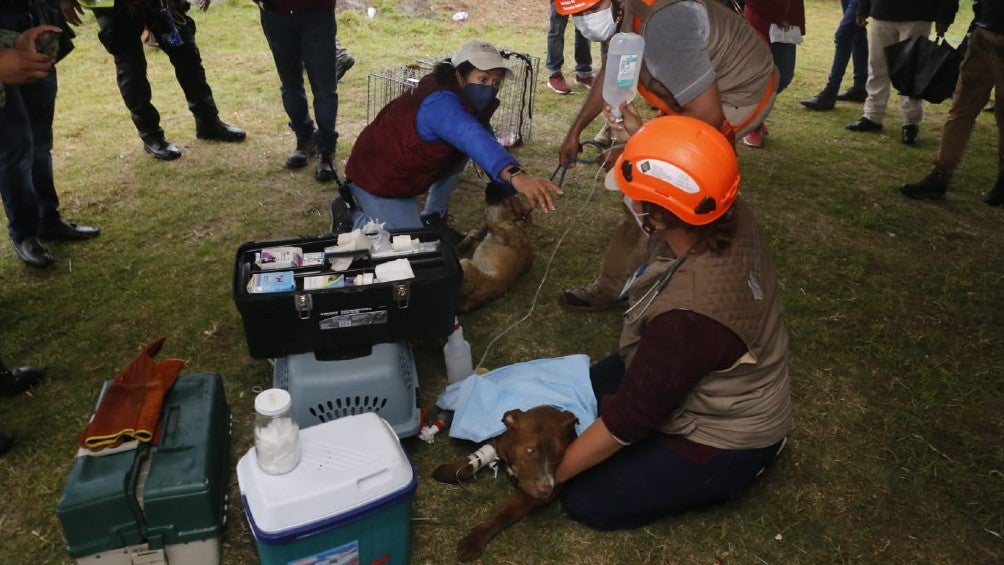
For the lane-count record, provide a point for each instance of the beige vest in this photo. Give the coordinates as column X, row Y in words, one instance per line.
column 741, row 59
column 747, row 405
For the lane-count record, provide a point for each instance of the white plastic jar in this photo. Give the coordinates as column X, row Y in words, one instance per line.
column 276, row 435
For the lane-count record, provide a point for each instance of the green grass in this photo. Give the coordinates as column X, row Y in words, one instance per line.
column 894, row 306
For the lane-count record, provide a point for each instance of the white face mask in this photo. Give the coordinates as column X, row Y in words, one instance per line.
column 639, row 217
column 598, row 26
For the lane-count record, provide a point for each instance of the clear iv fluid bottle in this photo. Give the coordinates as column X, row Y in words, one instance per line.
column 457, row 354
column 620, row 80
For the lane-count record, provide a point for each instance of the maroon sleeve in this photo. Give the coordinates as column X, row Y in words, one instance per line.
column 676, row 350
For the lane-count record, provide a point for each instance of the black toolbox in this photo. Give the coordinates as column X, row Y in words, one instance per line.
column 277, row 324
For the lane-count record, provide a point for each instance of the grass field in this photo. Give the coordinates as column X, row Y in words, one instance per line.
column 895, row 307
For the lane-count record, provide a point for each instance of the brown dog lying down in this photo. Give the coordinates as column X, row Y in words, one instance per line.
column 505, row 253
column 532, row 447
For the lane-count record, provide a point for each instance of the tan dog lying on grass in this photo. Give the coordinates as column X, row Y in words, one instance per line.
column 531, row 447
column 504, row 253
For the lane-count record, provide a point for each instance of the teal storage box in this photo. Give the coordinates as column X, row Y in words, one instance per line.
column 163, row 502
column 348, row 501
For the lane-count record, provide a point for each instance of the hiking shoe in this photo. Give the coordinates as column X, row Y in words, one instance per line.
column 933, row 186
column 341, row 216
column 585, row 80
column 588, row 298
column 753, row 139
column 556, row 82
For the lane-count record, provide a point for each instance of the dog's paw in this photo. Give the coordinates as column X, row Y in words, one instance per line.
column 471, row 546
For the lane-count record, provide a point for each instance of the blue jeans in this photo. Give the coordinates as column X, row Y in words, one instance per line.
column 645, row 481
column 26, row 181
column 556, row 47
column 851, row 42
column 306, row 41
column 402, row 213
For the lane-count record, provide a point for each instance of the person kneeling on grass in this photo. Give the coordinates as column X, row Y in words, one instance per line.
column 421, row 141
column 697, row 400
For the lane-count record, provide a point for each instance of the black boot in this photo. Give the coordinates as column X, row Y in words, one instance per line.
column 933, row 186
column 996, row 195
column 13, row 381
column 6, row 441
column 442, row 221
column 305, row 149
column 325, row 171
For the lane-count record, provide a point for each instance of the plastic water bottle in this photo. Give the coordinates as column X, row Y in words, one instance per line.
column 620, row 80
column 457, row 353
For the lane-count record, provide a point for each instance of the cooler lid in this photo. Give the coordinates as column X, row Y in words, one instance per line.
column 345, row 464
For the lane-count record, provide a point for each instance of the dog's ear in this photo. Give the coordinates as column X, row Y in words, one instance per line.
column 495, row 193
column 510, row 417
column 568, row 420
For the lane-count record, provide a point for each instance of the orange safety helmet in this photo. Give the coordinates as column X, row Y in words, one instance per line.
column 569, row 7
column 681, row 164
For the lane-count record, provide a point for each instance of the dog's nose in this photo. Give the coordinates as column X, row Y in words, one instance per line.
column 544, row 489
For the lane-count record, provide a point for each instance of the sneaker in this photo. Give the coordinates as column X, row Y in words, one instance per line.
column 933, row 186
column 753, row 139
column 585, row 80
column 556, row 82
column 341, row 216
column 588, row 298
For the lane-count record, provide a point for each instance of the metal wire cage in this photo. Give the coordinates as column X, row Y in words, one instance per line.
column 512, row 122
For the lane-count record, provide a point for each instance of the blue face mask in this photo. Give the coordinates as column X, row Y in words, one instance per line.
column 480, row 95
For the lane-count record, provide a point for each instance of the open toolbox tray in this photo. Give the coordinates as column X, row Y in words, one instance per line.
column 332, row 319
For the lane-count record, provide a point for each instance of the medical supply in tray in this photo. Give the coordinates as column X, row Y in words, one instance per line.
column 382, row 287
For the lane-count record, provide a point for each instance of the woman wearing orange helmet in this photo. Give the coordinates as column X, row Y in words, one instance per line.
column 696, row 402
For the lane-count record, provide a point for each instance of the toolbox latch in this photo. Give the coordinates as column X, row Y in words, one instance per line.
column 402, row 294
column 303, row 303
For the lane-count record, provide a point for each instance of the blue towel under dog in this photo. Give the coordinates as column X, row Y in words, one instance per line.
column 480, row 401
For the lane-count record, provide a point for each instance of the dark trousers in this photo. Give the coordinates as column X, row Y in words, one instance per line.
column 121, row 30
column 556, row 47
column 306, row 41
column 26, row 181
column 646, row 481
column 851, row 45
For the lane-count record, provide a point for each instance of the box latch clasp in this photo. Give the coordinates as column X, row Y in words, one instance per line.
column 303, row 303
column 402, row 294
